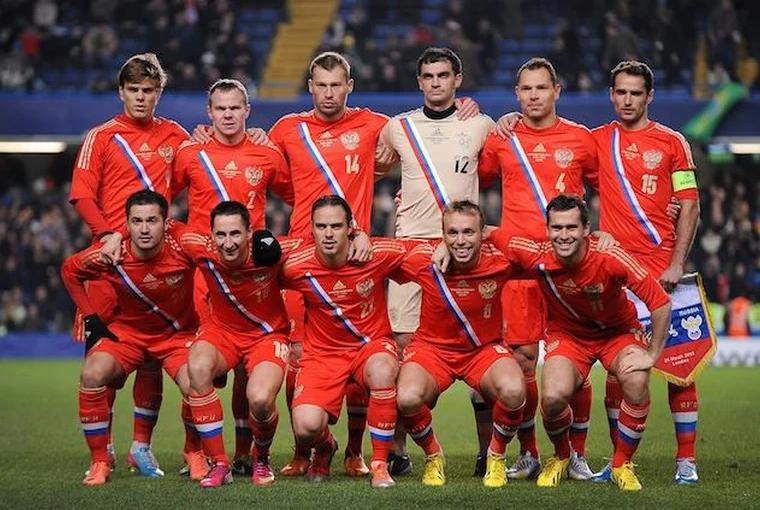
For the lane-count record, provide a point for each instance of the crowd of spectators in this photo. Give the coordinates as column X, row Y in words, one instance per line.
column 77, row 44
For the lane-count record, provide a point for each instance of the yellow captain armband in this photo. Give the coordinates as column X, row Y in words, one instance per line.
column 684, row 179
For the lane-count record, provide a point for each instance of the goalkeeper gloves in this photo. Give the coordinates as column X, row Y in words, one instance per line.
column 94, row 330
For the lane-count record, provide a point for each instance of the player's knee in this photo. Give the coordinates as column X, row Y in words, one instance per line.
column 96, row 373
column 261, row 402
column 305, row 426
column 409, row 399
column 510, row 391
column 383, row 372
column 635, row 387
column 201, row 373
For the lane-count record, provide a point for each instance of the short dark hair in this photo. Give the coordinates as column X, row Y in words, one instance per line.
column 147, row 197
column 231, row 208
column 466, row 207
column 329, row 60
column 226, row 84
column 332, row 200
column 634, row 68
column 567, row 202
column 537, row 63
column 141, row 66
column 432, row 55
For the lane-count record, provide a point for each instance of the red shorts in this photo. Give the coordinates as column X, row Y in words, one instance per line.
column 250, row 348
column 295, row 308
column 524, row 312
column 201, row 297
column 447, row 365
column 130, row 353
column 583, row 353
column 322, row 379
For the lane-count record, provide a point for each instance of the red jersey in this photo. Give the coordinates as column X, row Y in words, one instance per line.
column 244, row 298
column 154, row 297
column 330, row 158
column 460, row 310
column 122, row 156
column 587, row 300
column 639, row 171
column 535, row 166
column 345, row 307
column 214, row 172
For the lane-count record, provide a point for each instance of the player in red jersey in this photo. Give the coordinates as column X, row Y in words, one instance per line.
column 156, row 318
column 547, row 155
column 591, row 318
column 246, row 324
column 347, row 337
column 330, row 150
column 229, row 166
column 642, row 164
column 459, row 337
column 131, row 152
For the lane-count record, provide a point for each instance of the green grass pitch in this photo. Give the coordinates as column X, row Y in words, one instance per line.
column 44, row 455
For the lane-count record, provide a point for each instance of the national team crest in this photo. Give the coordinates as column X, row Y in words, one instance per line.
column 350, row 140
column 652, row 159
column 691, row 341
column 166, row 153
column 365, row 287
column 487, row 289
column 253, row 174
column 563, row 157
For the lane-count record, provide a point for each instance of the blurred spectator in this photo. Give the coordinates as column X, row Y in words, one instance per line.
column 723, row 38
column 99, row 44
column 620, row 42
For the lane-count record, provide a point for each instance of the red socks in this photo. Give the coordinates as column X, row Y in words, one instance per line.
column 631, row 425
column 526, row 433
column 147, row 394
column 243, row 435
column 356, row 404
column 381, row 418
column 505, row 423
column 558, row 430
column 208, row 418
column 684, row 408
column 420, row 426
column 581, row 406
column 94, row 414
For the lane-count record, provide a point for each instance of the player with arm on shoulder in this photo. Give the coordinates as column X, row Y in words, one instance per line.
column 156, row 319
column 229, row 166
column 642, row 164
column 459, row 337
column 546, row 156
column 590, row 319
column 246, row 325
column 132, row 151
column 347, row 337
column 439, row 162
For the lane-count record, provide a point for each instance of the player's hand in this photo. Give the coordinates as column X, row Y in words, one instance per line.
column 671, row 276
column 110, row 252
column 360, row 250
column 258, row 136
column 202, row 133
column 467, row 108
column 487, row 230
column 637, row 360
column 77, row 329
column 385, row 156
column 441, row 257
column 605, row 240
column 673, row 210
column 397, row 199
column 266, row 250
column 94, row 330
column 295, row 353
column 505, row 127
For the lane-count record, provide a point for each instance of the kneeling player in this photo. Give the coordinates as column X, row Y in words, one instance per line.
column 459, row 337
column 154, row 286
column 247, row 324
column 590, row 319
column 347, row 337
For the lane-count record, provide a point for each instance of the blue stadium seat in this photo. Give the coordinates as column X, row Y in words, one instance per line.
column 510, row 45
column 431, row 16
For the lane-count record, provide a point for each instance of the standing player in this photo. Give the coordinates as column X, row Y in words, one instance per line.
column 547, row 155
column 459, row 337
column 591, row 318
column 641, row 165
column 329, row 150
column 347, row 337
column 229, row 166
column 156, row 317
column 131, row 152
column 439, row 165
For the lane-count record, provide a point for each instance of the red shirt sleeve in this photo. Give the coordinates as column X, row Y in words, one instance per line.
column 181, row 170
column 281, row 183
column 590, row 163
column 76, row 269
column 488, row 162
column 88, row 168
column 683, row 160
column 92, row 215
